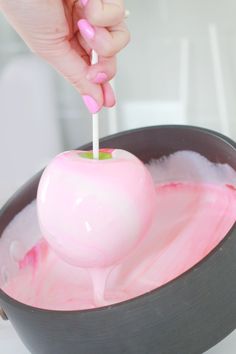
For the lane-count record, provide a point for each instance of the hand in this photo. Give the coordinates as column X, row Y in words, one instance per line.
column 64, row 32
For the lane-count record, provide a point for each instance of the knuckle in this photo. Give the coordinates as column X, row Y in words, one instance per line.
column 128, row 38
column 112, row 75
column 109, row 50
column 119, row 14
column 107, row 17
column 113, row 71
column 95, row 18
column 125, row 34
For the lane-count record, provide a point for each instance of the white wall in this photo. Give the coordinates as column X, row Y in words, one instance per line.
column 153, row 57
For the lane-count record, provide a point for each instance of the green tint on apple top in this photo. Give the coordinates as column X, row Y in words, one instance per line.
column 102, row 155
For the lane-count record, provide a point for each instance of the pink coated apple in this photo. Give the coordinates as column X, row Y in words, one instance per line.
column 94, row 212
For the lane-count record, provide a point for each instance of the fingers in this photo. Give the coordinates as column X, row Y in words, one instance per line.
column 102, row 28
column 106, row 42
column 66, row 59
column 102, row 72
column 108, row 94
column 104, row 13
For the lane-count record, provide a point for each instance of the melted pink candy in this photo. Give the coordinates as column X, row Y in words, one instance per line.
column 191, row 221
column 34, row 256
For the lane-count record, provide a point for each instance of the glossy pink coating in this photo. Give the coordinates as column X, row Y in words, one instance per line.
column 94, row 212
column 192, row 220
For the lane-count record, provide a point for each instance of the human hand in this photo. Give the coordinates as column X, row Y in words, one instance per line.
column 64, row 32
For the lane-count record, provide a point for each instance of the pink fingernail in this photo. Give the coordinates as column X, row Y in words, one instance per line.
column 91, row 104
column 100, row 78
column 84, row 2
column 86, row 29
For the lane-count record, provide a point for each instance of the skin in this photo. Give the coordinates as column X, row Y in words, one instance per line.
column 50, row 29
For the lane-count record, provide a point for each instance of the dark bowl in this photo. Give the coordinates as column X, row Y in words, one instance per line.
column 186, row 316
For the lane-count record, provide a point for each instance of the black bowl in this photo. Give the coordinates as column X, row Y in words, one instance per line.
column 186, row 316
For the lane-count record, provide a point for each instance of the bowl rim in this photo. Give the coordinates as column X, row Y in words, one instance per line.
column 148, row 295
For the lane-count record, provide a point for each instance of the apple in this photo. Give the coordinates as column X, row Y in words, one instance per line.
column 94, row 212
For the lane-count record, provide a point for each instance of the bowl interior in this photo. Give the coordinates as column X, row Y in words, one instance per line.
column 147, row 144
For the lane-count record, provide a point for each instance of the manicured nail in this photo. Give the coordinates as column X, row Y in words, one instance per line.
column 84, row 2
column 100, row 78
column 86, row 29
column 91, row 104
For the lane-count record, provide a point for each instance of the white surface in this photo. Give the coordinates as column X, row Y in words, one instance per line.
column 227, row 346
column 29, row 135
column 154, row 112
column 9, row 341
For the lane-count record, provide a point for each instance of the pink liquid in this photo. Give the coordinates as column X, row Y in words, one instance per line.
column 196, row 207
